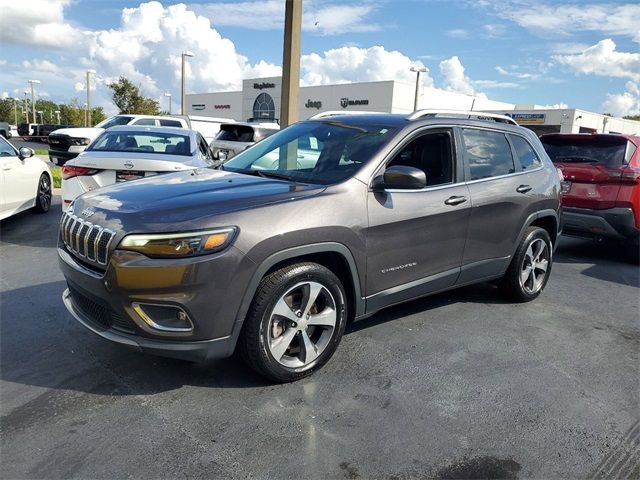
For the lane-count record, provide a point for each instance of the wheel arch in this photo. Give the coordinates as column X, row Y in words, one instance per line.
column 547, row 219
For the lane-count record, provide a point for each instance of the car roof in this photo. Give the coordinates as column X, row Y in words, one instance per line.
column 585, row 136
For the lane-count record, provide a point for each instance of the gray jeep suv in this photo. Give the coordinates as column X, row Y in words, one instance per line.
column 326, row 221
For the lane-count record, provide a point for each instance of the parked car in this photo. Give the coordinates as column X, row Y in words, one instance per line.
column 235, row 137
column 5, row 130
column 14, row 130
column 601, row 190
column 27, row 130
column 65, row 144
column 128, row 153
column 43, row 131
column 275, row 261
column 25, row 181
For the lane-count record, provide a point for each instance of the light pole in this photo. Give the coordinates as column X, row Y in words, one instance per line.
column 33, row 99
column 183, row 106
column 418, row 72
column 85, row 113
column 89, row 72
column 41, row 116
column 169, row 95
column 15, row 111
column 26, row 107
column 57, row 112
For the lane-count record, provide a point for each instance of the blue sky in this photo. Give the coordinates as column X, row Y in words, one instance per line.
column 582, row 54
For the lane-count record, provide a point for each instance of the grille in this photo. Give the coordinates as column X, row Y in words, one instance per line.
column 86, row 239
column 60, row 142
column 100, row 314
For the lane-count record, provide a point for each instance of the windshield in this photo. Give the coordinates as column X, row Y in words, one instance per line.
column 142, row 142
column 114, row 122
column 594, row 151
column 313, row 152
column 235, row 133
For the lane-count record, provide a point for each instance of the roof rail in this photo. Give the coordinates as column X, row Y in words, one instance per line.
column 477, row 115
column 331, row 113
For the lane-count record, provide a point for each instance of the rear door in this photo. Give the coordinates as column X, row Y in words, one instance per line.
column 592, row 166
column 501, row 194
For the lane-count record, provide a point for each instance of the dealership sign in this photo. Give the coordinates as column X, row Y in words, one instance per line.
column 313, row 104
column 345, row 102
column 527, row 117
column 260, row 86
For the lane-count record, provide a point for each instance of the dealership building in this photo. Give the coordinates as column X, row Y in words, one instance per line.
column 259, row 100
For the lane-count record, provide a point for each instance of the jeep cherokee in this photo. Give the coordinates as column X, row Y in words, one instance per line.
column 328, row 220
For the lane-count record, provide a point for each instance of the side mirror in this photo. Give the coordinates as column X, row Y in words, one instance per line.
column 402, row 178
column 25, row 152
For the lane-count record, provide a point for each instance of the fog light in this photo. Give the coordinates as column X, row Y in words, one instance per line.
column 164, row 318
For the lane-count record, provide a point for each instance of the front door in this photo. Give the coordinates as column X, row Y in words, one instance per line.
column 416, row 238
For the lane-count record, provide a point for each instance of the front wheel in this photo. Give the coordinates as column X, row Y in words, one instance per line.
column 530, row 267
column 43, row 196
column 295, row 322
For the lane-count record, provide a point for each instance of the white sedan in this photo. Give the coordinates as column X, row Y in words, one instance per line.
column 127, row 153
column 25, row 181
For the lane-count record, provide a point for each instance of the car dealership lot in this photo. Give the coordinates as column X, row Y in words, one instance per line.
column 459, row 384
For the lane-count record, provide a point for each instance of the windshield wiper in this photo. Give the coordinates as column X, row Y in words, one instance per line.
column 269, row 174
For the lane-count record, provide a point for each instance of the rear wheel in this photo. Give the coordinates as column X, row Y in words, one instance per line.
column 43, row 197
column 295, row 322
column 530, row 267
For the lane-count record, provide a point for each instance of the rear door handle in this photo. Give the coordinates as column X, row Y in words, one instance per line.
column 523, row 188
column 455, row 200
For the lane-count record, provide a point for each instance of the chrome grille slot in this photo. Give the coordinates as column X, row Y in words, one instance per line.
column 85, row 239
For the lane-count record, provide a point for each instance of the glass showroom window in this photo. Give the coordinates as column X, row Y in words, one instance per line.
column 264, row 108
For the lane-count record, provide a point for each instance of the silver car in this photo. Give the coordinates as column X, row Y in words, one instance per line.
column 127, row 153
column 235, row 137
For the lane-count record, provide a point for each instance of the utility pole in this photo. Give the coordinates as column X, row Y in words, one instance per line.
column 15, row 111
column 289, row 104
column 417, row 95
column 33, row 100
column 26, row 107
column 85, row 114
column 89, row 72
column 183, row 106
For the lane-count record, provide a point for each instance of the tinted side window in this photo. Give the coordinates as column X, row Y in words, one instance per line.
column 488, row 153
column 145, row 121
column 525, row 152
column 170, row 123
column 431, row 153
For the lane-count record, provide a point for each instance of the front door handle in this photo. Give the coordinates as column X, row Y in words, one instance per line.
column 455, row 200
column 523, row 188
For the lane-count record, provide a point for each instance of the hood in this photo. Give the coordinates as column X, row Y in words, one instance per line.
column 90, row 133
column 185, row 199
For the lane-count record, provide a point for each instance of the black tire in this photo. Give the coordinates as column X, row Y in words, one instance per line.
column 43, row 195
column 512, row 285
column 259, row 323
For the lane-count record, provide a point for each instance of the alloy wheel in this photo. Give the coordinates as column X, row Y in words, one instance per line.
column 534, row 266
column 301, row 324
column 44, row 192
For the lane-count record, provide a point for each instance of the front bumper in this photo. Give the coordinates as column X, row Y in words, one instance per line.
column 60, row 157
column 616, row 223
column 204, row 288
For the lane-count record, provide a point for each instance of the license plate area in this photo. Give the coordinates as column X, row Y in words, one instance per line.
column 126, row 175
column 565, row 187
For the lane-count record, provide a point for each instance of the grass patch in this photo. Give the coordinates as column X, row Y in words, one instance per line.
column 56, row 172
column 41, row 151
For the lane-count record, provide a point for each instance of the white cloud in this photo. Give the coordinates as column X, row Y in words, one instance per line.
column 455, row 78
column 457, row 33
column 626, row 103
column 563, row 19
column 494, row 30
column 353, row 64
column 5, row 95
column 44, row 66
column 318, row 17
column 516, row 74
column 38, row 23
column 495, row 84
column 603, row 59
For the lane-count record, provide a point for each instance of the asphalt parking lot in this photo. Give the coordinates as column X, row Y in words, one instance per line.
column 459, row 385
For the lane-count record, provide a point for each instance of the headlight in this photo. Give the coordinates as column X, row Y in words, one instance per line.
column 80, row 141
column 186, row 244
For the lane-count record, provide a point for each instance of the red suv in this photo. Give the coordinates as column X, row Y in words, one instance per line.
column 601, row 188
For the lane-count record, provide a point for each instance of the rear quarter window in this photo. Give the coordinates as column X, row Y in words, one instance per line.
column 525, row 153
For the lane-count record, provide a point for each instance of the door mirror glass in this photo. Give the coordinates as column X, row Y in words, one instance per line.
column 25, row 152
column 401, row 177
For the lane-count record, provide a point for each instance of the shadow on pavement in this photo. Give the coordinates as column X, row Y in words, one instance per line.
column 33, row 229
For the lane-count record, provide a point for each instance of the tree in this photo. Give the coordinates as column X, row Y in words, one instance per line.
column 632, row 117
column 129, row 99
